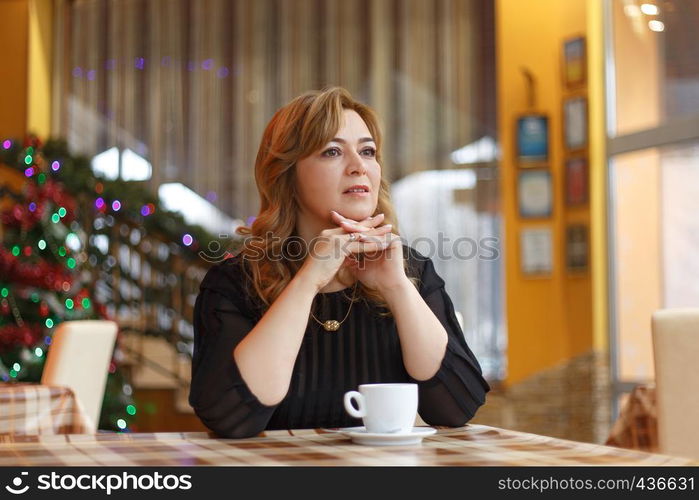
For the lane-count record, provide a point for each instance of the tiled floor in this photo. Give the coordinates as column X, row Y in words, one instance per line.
column 571, row 401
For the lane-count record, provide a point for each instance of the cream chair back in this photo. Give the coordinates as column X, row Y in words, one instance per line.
column 79, row 358
column 676, row 352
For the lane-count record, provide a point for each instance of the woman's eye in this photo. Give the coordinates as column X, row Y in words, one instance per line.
column 332, row 152
column 371, row 152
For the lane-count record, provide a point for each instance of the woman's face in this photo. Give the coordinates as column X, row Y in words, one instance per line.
column 325, row 178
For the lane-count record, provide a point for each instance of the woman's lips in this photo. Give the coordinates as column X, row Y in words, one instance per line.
column 356, row 194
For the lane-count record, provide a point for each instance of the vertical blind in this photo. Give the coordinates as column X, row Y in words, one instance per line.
column 190, row 85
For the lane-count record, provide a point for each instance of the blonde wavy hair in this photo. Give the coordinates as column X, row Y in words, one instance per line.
column 296, row 131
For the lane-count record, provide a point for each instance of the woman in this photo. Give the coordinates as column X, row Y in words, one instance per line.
column 324, row 296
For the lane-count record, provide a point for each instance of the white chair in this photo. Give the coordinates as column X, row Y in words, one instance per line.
column 79, row 358
column 676, row 351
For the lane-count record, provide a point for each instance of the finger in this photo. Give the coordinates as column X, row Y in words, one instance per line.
column 358, row 228
column 334, row 231
column 349, row 225
column 368, row 248
column 363, row 238
column 353, row 227
column 381, row 241
column 382, row 244
column 349, row 261
column 376, row 233
column 393, row 240
column 358, row 246
column 353, row 224
column 373, row 221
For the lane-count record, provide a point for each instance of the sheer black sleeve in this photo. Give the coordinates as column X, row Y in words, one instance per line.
column 218, row 393
column 452, row 396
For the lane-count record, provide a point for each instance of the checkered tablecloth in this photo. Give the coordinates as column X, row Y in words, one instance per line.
column 30, row 409
column 469, row 445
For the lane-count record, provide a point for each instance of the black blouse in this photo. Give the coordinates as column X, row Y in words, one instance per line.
column 366, row 349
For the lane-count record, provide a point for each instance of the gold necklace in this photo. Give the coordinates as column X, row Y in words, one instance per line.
column 332, row 325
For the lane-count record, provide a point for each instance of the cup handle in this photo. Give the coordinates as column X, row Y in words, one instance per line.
column 349, row 397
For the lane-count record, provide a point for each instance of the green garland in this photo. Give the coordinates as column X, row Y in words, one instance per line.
column 75, row 173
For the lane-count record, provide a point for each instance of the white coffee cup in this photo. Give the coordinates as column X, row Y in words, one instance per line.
column 384, row 408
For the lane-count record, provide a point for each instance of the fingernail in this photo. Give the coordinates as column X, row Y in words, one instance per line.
column 389, row 226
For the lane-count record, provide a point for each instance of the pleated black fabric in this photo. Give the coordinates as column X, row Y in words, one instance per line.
column 366, row 349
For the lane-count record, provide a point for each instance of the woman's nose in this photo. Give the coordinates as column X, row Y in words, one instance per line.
column 356, row 164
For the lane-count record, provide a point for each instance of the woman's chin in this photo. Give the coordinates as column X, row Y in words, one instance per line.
column 356, row 211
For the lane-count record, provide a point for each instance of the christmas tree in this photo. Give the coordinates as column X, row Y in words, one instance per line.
column 54, row 211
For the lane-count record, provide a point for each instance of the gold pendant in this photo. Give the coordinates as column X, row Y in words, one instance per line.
column 332, row 325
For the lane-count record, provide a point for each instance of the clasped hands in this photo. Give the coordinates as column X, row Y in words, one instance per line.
column 382, row 264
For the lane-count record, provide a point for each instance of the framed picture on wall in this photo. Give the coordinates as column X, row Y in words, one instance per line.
column 534, row 193
column 574, row 62
column 577, row 248
column 577, row 181
column 532, row 137
column 575, row 123
column 536, row 253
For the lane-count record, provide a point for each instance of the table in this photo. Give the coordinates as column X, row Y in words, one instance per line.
column 27, row 409
column 463, row 446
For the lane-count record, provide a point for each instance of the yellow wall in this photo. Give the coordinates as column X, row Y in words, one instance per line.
column 13, row 69
column 549, row 319
column 25, row 72
column 598, row 174
column 40, row 43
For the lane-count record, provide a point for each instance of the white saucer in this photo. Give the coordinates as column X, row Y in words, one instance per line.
column 360, row 435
